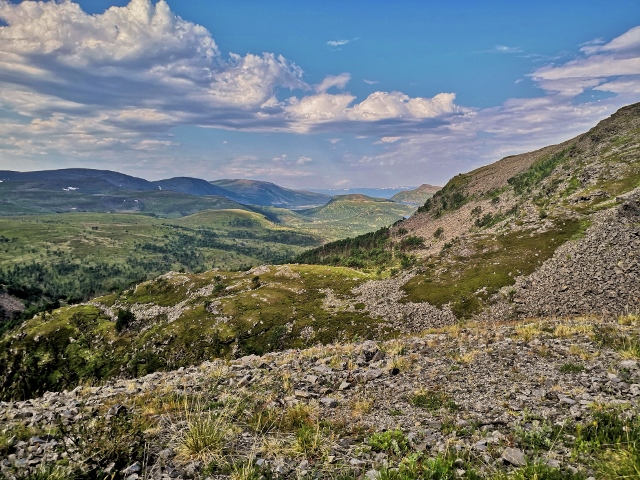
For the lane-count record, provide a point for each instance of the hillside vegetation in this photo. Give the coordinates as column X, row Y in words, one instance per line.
column 544, row 399
column 48, row 259
column 486, row 227
column 181, row 319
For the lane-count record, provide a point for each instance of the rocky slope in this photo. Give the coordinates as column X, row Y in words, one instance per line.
column 479, row 401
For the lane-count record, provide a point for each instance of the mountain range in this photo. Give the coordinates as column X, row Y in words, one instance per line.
column 78, row 182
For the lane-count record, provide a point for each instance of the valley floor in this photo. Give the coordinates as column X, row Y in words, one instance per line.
column 541, row 398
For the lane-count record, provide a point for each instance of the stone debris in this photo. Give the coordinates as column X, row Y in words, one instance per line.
column 488, row 382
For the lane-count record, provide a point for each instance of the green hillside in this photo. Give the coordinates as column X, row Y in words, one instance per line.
column 45, row 259
column 346, row 216
column 416, row 196
column 183, row 319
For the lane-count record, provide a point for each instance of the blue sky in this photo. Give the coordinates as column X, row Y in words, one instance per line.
column 306, row 94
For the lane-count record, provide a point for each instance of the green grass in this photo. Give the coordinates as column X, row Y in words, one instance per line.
column 571, row 368
column 432, row 400
column 469, row 281
column 418, row 466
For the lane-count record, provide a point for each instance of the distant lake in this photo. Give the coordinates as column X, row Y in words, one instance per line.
column 387, row 192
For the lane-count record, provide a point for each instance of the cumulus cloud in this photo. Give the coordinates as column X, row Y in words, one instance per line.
column 123, row 78
column 324, row 108
column 138, row 68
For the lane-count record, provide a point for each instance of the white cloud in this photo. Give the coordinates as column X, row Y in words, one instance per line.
column 303, row 160
column 324, row 108
column 337, row 43
column 505, row 49
column 627, row 42
column 370, row 82
column 339, row 81
column 383, row 105
column 133, row 70
column 390, row 139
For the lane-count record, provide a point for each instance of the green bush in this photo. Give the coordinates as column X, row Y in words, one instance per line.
column 392, row 442
column 124, row 319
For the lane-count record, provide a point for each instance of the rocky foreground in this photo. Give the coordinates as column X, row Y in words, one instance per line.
column 544, row 398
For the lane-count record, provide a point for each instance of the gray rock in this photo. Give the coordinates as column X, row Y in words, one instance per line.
column 629, row 364
column 329, row 402
column 514, row 456
column 244, row 381
column 311, row 379
column 301, row 394
column 135, row 468
column 371, row 374
column 165, row 454
column 552, row 462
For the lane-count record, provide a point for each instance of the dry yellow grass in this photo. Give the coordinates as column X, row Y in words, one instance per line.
column 528, row 331
column 361, row 406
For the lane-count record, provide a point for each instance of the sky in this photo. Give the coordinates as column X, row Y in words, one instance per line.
column 329, row 94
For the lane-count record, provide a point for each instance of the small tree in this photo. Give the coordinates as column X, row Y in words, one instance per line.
column 125, row 317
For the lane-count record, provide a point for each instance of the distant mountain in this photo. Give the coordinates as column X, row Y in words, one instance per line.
column 417, row 196
column 85, row 179
column 356, row 197
column 359, row 208
column 194, row 186
column 255, row 192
